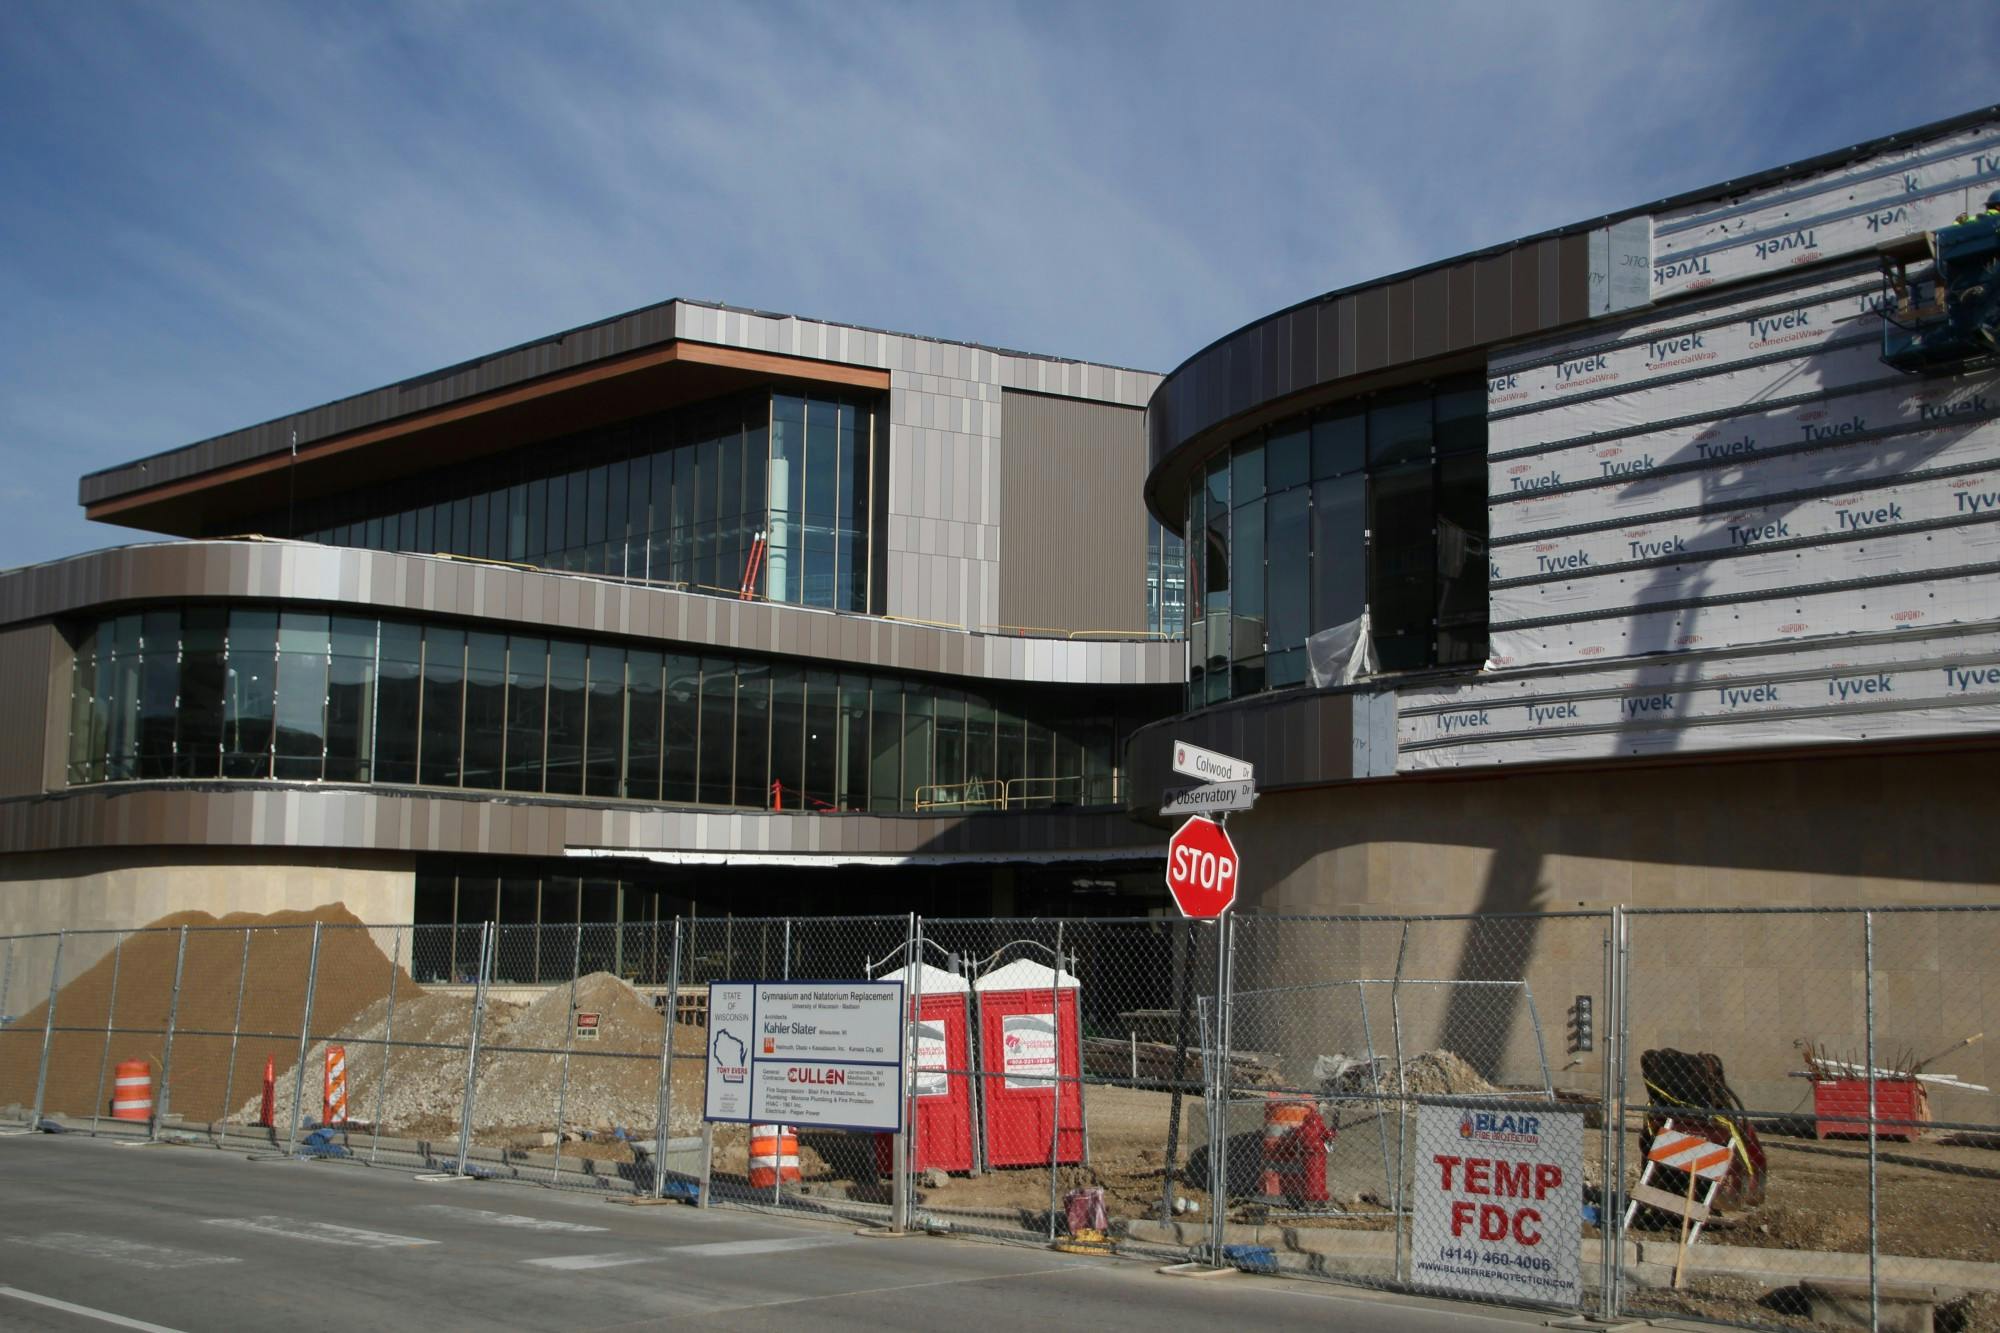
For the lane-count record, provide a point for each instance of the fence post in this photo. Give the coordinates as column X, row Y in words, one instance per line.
column 1402, row 1097
column 110, row 1014
column 1622, row 952
column 1609, row 1213
column 1180, row 1071
column 1055, row 1084
column 569, row 1040
column 48, row 1031
column 305, row 1041
column 1218, row 1169
column 388, row 1041
column 914, row 1000
column 899, row 1153
column 1874, row 1239
column 160, row 1106
column 472, row 1045
column 663, row 1122
column 235, row 1033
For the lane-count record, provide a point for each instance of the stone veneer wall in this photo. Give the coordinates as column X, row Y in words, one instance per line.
column 1846, row 830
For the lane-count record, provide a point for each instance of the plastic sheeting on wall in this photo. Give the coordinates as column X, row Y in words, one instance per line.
column 1912, row 683
column 1844, row 210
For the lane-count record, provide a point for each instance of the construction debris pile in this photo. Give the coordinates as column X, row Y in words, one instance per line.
column 1438, row 1073
column 613, row 1079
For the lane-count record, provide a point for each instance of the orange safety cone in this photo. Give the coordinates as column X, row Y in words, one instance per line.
column 267, row 1115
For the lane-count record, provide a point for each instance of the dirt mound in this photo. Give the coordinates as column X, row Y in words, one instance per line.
column 424, row 1083
column 130, row 989
column 1443, row 1074
column 613, row 1079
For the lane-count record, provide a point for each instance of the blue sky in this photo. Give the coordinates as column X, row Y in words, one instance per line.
column 213, row 214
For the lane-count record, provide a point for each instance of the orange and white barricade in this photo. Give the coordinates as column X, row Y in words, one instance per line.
column 333, row 1105
column 1700, row 1158
column 132, row 1091
column 774, row 1155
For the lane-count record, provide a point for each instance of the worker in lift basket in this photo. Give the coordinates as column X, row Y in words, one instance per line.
column 1992, row 209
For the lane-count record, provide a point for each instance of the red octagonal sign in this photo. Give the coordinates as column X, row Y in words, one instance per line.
column 1201, row 869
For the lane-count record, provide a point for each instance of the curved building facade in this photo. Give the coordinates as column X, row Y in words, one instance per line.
column 1636, row 562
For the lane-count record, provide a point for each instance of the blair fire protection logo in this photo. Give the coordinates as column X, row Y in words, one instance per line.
column 1487, row 1127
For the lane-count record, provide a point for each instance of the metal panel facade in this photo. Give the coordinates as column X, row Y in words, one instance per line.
column 1074, row 543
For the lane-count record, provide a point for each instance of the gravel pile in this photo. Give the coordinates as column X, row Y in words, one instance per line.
column 1443, row 1073
column 613, row 1080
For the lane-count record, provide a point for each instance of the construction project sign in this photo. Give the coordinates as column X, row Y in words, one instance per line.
column 818, row 1053
column 1499, row 1201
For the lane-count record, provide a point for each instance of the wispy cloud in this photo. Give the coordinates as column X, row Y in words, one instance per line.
column 219, row 213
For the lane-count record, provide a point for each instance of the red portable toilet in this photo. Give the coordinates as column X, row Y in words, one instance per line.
column 1027, row 1024
column 942, row 1039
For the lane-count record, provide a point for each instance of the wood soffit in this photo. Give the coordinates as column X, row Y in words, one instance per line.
column 594, row 395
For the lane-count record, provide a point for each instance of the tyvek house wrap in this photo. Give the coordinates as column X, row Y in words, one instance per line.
column 1847, row 210
column 1728, row 524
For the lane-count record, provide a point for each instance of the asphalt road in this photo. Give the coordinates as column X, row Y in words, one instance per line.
column 94, row 1235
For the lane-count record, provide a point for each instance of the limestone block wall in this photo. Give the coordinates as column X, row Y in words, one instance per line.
column 1835, row 832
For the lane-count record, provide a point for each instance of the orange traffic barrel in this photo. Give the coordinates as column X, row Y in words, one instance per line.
column 774, row 1154
column 132, row 1091
column 1295, row 1141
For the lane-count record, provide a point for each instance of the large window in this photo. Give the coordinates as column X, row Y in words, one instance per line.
column 303, row 696
column 1166, row 582
column 1375, row 505
column 765, row 492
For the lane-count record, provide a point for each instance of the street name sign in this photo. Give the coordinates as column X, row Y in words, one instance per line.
column 1210, row 797
column 817, row 1053
column 1210, row 766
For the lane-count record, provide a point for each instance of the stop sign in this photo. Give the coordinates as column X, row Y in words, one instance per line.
column 1201, row 869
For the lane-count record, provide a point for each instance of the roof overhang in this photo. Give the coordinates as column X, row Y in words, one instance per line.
column 597, row 394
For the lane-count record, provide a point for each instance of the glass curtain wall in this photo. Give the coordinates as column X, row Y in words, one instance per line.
column 1376, row 505
column 765, row 493
column 1166, row 582
column 203, row 691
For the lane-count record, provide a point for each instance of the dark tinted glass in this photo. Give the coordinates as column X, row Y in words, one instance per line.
column 1287, row 457
column 444, row 705
column 527, row 711
column 1399, row 432
column 1339, row 444
column 567, row 711
column 1402, row 566
column 753, row 734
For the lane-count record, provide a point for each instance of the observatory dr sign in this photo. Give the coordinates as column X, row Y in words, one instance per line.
column 1201, row 869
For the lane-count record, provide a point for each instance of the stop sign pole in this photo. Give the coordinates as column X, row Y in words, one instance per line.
column 1203, row 869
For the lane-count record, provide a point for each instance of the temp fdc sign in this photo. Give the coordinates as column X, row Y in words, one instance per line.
column 1499, row 1200
column 819, row 1053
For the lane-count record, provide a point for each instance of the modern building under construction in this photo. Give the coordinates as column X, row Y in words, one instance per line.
column 1649, row 560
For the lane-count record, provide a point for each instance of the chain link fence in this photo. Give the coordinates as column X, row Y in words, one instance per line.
column 1825, row 1072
